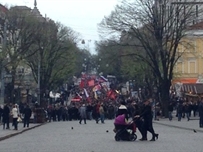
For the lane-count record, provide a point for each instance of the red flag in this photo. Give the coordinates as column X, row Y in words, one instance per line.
column 82, row 83
column 91, row 83
column 111, row 94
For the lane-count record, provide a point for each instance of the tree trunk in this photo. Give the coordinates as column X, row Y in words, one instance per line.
column 165, row 97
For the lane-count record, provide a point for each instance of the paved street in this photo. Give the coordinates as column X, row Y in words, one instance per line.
column 59, row 137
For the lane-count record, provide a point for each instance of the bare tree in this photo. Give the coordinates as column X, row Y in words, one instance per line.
column 159, row 27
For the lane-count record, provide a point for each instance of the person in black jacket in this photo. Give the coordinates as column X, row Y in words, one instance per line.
column 170, row 110
column 200, row 109
column 27, row 114
column 6, row 114
column 147, row 116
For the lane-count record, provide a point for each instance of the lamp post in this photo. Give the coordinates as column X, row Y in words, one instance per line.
column 155, row 93
column 27, row 85
column 39, row 75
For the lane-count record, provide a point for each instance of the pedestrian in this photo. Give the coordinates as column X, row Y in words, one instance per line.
column 82, row 111
column 96, row 112
column 27, row 114
column 6, row 116
column 147, row 116
column 15, row 116
column 89, row 111
column 179, row 111
column 200, row 109
column 102, row 113
column 1, row 114
column 170, row 110
column 187, row 110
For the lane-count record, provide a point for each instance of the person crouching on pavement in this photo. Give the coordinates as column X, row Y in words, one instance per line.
column 121, row 123
column 122, row 109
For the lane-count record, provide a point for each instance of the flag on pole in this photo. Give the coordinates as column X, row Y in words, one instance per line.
column 86, row 93
column 103, row 79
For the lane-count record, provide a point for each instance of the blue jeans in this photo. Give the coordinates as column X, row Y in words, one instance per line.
column 90, row 115
column 188, row 116
column 170, row 115
column 179, row 116
column 102, row 118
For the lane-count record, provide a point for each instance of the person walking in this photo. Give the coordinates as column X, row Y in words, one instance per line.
column 101, row 113
column 82, row 111
column 170, row 110
column 200, row 109
column 1, row 114
column 6, row 116
column 27, row 114
column 15, row 116
column 147, row 116
column 89, row 111
column 180, row 111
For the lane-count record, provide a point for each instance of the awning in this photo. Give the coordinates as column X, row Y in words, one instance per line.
column 185, row 80
column 192, row 88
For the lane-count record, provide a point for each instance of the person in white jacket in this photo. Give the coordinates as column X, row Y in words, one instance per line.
column 15, row 116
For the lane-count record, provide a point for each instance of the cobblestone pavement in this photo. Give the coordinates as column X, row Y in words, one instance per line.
column 92, row 137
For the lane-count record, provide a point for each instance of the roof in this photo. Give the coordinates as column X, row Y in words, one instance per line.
column 198, row 26
column 21, row 7
column 3, row 8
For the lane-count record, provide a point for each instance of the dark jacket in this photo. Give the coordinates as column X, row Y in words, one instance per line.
column 27, row 112
column 170, row 107
column 200, row 109
column 6, row 112
column 146, row 112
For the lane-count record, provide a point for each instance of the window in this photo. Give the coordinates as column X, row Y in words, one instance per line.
column 192, row 66
column 180, row 67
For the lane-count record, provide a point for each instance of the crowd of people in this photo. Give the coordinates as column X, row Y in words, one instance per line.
column 100, row 110
column 12, row 113
column 185, row 108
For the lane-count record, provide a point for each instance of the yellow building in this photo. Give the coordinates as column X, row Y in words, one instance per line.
column 189, row 67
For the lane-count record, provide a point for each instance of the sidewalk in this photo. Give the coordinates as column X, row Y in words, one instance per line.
column 7, row 133
column 192, row 125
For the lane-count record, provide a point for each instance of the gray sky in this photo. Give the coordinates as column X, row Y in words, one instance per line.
column 81, row 15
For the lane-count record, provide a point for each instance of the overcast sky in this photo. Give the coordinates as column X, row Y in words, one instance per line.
column 81, row 15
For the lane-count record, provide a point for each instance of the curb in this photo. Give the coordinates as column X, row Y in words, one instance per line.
column 185, row 128
column 19, row 132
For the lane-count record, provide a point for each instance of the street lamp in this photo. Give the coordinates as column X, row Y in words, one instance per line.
column 39, row 76
column 27, row 85
column 155, row 93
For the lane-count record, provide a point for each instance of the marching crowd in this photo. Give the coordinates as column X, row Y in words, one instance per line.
column 100, row 110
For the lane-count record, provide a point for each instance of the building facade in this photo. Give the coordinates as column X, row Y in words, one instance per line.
column 189, row 67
